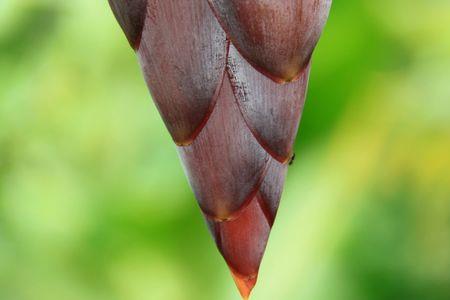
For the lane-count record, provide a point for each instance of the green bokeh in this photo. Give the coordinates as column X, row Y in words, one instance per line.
column 94, row 203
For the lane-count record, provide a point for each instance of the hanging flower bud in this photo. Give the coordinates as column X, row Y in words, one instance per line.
column 233, row 122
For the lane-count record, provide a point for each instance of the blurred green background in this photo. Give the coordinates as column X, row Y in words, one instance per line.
column 94, row 203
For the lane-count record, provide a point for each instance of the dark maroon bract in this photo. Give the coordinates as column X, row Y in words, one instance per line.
column 276, row 36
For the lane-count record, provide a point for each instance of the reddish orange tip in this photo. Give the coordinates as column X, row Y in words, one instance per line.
column 245, row 284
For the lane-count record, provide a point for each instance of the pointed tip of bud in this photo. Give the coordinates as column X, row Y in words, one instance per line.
column 242, row 242
column 245, row 284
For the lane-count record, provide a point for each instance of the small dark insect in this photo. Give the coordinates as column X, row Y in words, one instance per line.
column 291, row 161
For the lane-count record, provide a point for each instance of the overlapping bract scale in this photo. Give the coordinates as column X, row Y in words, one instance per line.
column 272, row 111
column 272, row 188
column 225, row 164
column 224, row 104
column 276, row 36
column 183, row 57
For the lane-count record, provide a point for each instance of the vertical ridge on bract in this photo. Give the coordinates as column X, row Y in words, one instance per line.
column 271, row 189
column 183, row 56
